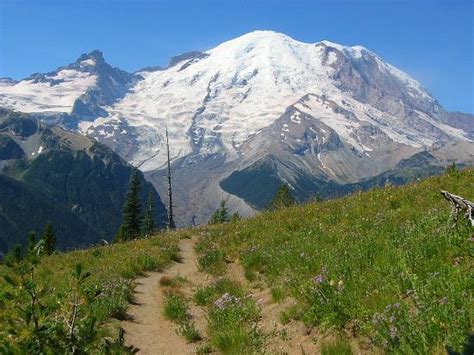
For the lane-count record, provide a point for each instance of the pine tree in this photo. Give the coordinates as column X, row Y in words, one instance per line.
column 49, row 239
column 148, row 222
column 130, row 228
column 283, row 198
column 31, row 243
column 221, row 215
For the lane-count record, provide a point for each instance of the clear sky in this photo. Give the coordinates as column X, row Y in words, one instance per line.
column 431, row 40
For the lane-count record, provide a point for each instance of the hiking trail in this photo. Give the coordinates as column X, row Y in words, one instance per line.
column 147, row 328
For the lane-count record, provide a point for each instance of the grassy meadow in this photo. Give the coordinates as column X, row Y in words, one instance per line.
column 107, row 292
column 386, row 265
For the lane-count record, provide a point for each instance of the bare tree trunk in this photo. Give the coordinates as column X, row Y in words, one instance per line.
column 171, row 224
column 460, row 204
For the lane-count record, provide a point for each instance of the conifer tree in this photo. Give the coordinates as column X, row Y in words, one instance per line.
column 31, row 243
column 283, row 198
column 130, row 228
column 221, row 215
column 148, row 222
column 49, row 239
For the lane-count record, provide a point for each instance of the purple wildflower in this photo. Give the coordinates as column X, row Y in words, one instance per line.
column 224, row 300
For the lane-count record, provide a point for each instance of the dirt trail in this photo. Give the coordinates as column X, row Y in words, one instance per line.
column 153, row 334
column 148, row 329
column 297, row 338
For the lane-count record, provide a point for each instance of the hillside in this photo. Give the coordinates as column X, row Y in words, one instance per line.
column 377, row 271
column 52, row 175
column 24, row 209
column 112, row 269
column 385, row 266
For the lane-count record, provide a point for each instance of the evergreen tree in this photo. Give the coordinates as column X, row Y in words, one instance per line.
column 221, row 215
column 130, row 228
column 49, row 239
column 13, row 255
column 283, row 198
column 148, row 222
column 31, row 243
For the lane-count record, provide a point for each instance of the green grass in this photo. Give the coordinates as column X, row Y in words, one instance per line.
column 175, row 308
column 337, row 347
column 232, row 325
column 278, row 294
column 204, row 349
column 232, row 317
column 204, row 296
column 212, row 262
column 112, row 269
column 189, row 332
column 385, row 264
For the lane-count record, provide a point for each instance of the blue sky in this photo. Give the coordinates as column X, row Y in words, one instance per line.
column 431, row 40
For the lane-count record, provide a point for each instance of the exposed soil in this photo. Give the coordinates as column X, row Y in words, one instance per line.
column 148, row 329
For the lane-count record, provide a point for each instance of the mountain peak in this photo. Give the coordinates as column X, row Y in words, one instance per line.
column 256, row 38
column 92, row 58
column 264, row 33
column 276, row 41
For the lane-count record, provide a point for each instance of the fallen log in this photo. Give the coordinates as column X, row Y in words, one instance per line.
column 459, row 205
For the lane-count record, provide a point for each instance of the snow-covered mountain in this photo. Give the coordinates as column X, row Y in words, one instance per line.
column 80, row 88
column 250, row 113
